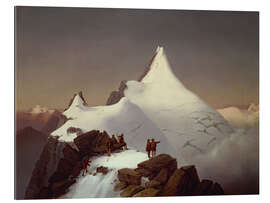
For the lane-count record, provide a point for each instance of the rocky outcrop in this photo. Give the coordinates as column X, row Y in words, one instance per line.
column 129, row 176
column 149, row 192
column 165, row 179
column 131, row 190
column 120, row 186
column 153, row 166
column 60, row 163
column 103, row 170
column 115, row 96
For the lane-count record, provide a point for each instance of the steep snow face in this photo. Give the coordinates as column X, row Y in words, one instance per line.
column 191, row 126
column 100, row 185
column 123, row 117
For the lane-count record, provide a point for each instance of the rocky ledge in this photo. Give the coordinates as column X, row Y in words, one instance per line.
column 60, row 163
column 164, row 179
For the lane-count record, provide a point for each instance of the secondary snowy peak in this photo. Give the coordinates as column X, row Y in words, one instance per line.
column 39, row 109
column 77, row 103
column 159, row 70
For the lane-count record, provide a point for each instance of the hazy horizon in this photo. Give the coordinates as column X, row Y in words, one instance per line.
column 60, row 51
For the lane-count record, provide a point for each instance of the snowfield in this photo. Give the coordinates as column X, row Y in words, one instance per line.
column 123, row 117
column 100, row 185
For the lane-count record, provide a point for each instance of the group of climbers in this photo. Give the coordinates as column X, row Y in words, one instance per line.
column 151, row 146
column 112, row 141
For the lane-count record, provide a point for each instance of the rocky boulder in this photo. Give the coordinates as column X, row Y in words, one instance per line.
column 131, row 190
column 157, row 163
column 153, row 184
column 162, row 176
column 129, row 176
column 103, row 170
column 120, row 186
column 182, row 182
column 91, row 142
column 149, row 192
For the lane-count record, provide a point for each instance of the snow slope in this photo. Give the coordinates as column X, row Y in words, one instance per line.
column 100, row 185
column 191, row 126
column 123, row 117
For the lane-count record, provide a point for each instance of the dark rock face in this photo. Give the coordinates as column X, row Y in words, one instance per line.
column 182, row 182
column 207, row 187
column 29, row 145
column 115, row 96
column 44, row 168
column 92, row 141
column 129, row 176
column 60, row 163
column 71, row 154
column 59, row 188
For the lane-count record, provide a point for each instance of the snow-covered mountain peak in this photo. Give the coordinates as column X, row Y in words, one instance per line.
column 77, row 101
column 160, row 72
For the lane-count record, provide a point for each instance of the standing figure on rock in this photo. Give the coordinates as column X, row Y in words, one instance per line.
column 114, row 140
column 109, row 146
column 121, row 140
column 154, row 147
column 148, row 147
column 85, row 164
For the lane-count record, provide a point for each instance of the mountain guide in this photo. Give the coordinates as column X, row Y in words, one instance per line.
column 148, row 147
column 121, row 140
column 154, row 147
column 85, row 163
column 109, row 146
column 114, row 140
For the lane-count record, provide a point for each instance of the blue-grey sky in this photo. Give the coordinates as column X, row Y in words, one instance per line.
column 60, row 51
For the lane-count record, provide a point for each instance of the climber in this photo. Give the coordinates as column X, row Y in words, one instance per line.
column 154, row 147
column 109, row 146
column 148, row 147
column 114, row 140
column 85, row 164
column 121, row 140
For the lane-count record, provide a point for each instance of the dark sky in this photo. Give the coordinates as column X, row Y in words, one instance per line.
column 60, row 51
